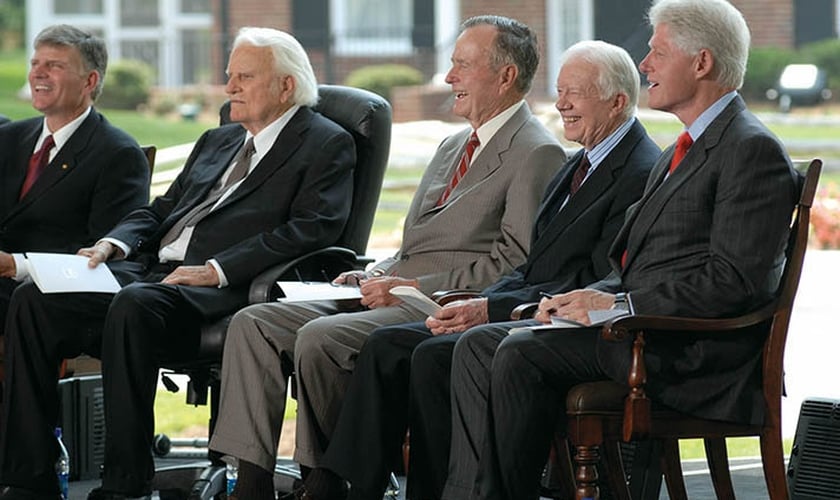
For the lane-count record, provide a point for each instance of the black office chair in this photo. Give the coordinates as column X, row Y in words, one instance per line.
column 367, row 117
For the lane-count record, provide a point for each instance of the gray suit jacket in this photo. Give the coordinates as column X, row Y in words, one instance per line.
column 707, row 242
column 483, row 229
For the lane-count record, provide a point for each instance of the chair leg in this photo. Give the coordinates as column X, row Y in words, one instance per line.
column 586, row 473
column 672, row 470
column 719, row 467
column 773, row 460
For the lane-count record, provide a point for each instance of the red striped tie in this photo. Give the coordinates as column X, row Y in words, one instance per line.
column 463, row 165
column 37, row 163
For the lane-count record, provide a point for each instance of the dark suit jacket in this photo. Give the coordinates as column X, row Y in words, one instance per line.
column 707, row 242
column 571, row 251
column 96, row 178
column 297, row 199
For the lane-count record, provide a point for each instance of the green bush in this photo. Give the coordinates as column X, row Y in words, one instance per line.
column 763, row 69
column 127, row 84
column 826, row 55
column 382, row 78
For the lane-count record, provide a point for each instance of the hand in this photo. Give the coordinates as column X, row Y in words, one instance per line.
column 193, row 276
column 375, row 290
column 100, row 252
column 7, row 265
column 459, row 316
column 574, row 305
column 352, row 278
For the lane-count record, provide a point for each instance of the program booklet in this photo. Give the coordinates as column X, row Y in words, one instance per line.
column 416, row 298
column 67, row 273
column 306, row 291
column 596, row 318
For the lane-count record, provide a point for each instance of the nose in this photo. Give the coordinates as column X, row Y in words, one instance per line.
column 230, row 86
column 644, row 65
column 450, row 76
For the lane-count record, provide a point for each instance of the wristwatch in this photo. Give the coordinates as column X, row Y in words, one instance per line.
column 621, row 301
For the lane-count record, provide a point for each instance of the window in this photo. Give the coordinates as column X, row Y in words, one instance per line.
column 195, row 6
column 195, row 55
column 372, row 27
column 139, row 13
column 78, row 6
column 142, row 50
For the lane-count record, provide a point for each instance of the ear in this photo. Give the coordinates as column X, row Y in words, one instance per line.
column 508, row 76
column 619, row 102
column 287, row 88
column 704, row 63
column 91, row 81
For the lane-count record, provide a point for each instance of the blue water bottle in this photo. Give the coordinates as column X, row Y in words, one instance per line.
column 62, row 466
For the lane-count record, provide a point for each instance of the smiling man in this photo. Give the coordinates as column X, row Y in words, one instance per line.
column 468, row 224
column 251, row 195
column 68, row 176
column 706, row 240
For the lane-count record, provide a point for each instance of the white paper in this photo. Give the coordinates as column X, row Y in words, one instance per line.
column 416, row 298
column 66, row 273
column 306, row 291
column 597, row 318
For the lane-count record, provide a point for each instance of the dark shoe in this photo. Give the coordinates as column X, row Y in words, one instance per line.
column 13, row 493
column 100, row 494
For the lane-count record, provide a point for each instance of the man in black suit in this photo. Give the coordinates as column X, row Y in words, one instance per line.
column 249, row 197
column 92, row 173
column 402, row 373
column 706, row 240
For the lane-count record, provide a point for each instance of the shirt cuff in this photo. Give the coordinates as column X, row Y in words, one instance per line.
column 21, row 267
column 223, row 282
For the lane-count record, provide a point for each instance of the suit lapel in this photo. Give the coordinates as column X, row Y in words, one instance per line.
column 662, row 190
column 286, row 144
column 442, row 175
column 17, row 171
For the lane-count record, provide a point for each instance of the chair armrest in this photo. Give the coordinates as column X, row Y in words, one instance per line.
column 619, row 328
column 444, row 297
column 319, row 265
column 524, row 311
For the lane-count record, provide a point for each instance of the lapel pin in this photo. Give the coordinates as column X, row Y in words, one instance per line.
column 63, row 166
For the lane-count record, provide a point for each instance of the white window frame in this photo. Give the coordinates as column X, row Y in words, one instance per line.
column 386, row 47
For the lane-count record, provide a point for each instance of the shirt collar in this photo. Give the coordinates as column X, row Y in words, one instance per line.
column 62, row 135
column 266, row 137
column 706, row 117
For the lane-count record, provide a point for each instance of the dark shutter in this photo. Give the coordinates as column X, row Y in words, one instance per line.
column 423, row 28
column 311, row 23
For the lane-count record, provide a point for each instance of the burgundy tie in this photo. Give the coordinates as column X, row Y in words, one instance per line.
column 579, row 175
column 683, row 143
column 37, row 163
column 463, row 165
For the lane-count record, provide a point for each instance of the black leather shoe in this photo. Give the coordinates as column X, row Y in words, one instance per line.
column 13, row 493
column 100, row 494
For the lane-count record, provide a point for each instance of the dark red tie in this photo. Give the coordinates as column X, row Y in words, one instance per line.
column 579, row 175
column 37, row 163
column 463, row 165
column 683, row 143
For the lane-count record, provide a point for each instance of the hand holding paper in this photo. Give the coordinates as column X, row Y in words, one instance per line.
column 64, row 273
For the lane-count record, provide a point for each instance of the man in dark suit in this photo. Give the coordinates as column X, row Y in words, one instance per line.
column 92, row 173
column 249, row 197
column 707, row 239
column 402, row 374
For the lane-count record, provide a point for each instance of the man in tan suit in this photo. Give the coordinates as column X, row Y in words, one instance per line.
column 468, row 224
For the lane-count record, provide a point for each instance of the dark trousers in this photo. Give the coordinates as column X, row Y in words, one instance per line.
column 401, row 381
column 529, row 377
column 130, row 331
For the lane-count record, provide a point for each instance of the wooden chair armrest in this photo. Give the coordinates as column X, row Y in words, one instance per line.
column 523, row 311
column 444, row 297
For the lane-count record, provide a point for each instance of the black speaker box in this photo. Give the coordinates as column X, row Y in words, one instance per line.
column 814, row 468
column 82, row 420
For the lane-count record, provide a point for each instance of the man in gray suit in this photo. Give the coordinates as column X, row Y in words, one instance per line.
column 401, row 378
column 707, row 239
column 468, row 224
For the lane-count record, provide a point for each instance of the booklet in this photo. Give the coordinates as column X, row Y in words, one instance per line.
column 305, row 291
column 597, row 317
column 66, row 273
column 416, row 298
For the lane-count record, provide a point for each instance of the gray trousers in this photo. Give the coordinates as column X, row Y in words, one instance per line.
column 266, row 342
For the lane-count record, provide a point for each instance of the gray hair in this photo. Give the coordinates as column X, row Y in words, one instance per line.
column 515, row 44
column 289, row 59
column 91, row 48
column 617, row 72
column 708, row 24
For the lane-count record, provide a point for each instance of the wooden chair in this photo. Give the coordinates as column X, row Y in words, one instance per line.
column 602, row 414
